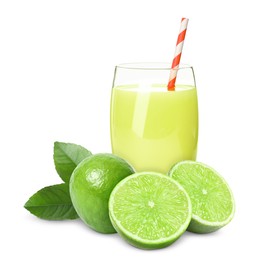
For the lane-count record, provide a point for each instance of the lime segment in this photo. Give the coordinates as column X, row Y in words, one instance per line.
column 149, row 210
column 211, row 198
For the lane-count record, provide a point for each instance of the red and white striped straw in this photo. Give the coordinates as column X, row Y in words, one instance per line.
column 177, row 55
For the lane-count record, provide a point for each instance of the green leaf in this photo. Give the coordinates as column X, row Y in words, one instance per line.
column 52, row 203
column 66, row 157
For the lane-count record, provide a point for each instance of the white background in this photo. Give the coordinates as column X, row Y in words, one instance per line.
column 56, row 68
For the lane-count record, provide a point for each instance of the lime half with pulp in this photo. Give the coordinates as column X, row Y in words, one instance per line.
column 149, row 210
column 212, row 201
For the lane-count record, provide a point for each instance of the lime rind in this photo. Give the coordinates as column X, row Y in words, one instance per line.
column 136, row 240
column 201, row 226
column 197, row 223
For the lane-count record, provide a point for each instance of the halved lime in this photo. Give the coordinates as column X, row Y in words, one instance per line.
column 149, row 210
column 212, row 201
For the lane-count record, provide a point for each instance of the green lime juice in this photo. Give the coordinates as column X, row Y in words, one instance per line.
column 153, row 128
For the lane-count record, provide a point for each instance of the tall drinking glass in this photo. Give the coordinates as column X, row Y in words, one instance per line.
column 151, row 127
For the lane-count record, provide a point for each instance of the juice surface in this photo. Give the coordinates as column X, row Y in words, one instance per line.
column 153, row 128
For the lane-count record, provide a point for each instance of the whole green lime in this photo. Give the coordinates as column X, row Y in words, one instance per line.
column 91, row 183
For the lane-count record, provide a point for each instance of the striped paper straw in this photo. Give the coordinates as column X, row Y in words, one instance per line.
column 177, row 55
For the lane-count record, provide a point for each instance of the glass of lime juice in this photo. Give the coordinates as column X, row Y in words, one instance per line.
column 152, row 127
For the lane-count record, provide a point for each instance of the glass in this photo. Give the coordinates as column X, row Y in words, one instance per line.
column 153, row 128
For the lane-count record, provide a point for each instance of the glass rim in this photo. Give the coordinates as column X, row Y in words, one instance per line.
column 151, row 66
